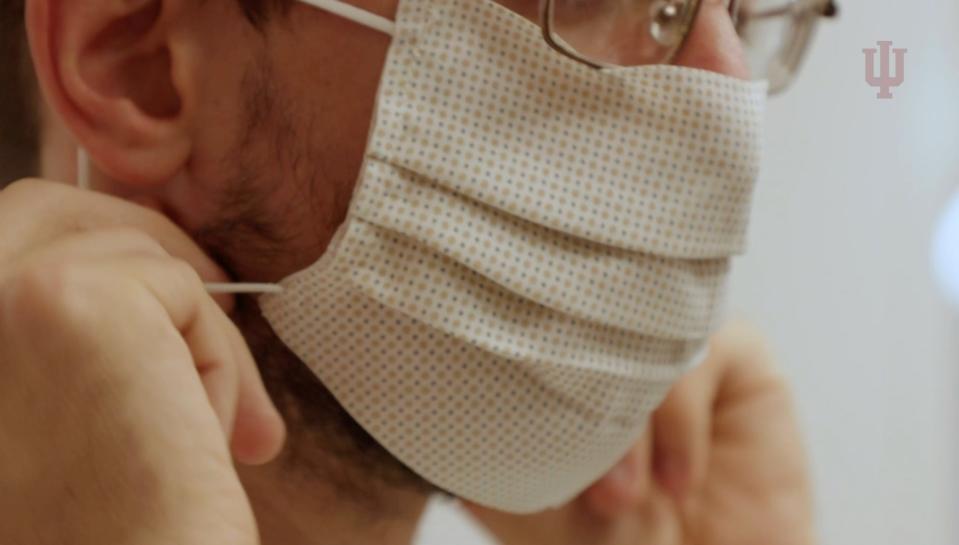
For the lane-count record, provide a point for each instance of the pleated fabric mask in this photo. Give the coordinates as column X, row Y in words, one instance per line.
column 535, row 252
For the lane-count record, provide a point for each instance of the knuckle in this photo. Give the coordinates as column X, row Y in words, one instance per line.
column 184, row 269
column 46, row 296
column 184, row 273
column 136, row 238
column 22, row 202
column 683, row 399
column 30, row 189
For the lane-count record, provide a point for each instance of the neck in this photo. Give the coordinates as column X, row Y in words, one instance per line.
column 292, row 509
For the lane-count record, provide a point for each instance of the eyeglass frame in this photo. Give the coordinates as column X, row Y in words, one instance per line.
column 796, row 9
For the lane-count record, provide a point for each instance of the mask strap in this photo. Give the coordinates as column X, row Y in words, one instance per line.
column 215, row 288
column 83, row 169
column 355, row 14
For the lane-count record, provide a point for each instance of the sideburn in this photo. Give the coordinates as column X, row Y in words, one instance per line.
column 324, row 444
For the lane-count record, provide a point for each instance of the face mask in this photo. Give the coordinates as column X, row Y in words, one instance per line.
column 535, row 251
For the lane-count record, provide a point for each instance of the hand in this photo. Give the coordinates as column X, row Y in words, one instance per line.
column 124, row 385
column 721, row 464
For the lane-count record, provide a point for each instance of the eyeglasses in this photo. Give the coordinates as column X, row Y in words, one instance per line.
column 609, row 33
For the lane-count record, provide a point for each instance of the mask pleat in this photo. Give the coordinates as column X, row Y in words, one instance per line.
column 639, row 292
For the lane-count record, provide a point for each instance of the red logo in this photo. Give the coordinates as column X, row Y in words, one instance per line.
column 885, row 80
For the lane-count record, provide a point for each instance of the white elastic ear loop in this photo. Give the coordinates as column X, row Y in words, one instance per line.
column 83, row 169
column 213, row 288
column 355, row 14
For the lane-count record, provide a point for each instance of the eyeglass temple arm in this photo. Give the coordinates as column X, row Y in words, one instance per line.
column 829, row 9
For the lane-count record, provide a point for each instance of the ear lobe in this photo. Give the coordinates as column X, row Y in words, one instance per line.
column 120, row 77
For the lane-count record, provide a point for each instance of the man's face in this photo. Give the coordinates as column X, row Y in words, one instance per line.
column 251, row 138
column 276, row 119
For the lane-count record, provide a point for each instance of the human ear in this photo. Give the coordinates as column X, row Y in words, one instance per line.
column 121, row 75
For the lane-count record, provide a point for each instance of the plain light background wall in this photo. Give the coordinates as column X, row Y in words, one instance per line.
column 838, row 276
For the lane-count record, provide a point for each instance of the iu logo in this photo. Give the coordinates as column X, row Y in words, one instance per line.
column 885, row 80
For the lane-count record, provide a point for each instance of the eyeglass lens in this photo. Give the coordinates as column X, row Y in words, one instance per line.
column 775, row 33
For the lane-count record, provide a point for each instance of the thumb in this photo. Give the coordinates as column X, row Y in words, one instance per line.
column 259, row 432
column 626, row 484
column 682, row 431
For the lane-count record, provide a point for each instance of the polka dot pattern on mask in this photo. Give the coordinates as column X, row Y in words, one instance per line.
column 659, row 159
column 644, row 293
column 506, row 418
column 535, row 252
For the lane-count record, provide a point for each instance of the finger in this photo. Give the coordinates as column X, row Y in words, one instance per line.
column 259, row 432
column 102, row 244
column 68, row 210
column 745, row 358
column 202, row 324
column 683, row 428
column 215, row 360
column 625, row 485
column 222, row 358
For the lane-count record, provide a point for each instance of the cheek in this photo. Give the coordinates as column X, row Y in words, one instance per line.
column 712, row 43
column 284, row 133
column 329, row 71
column 326, row 73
